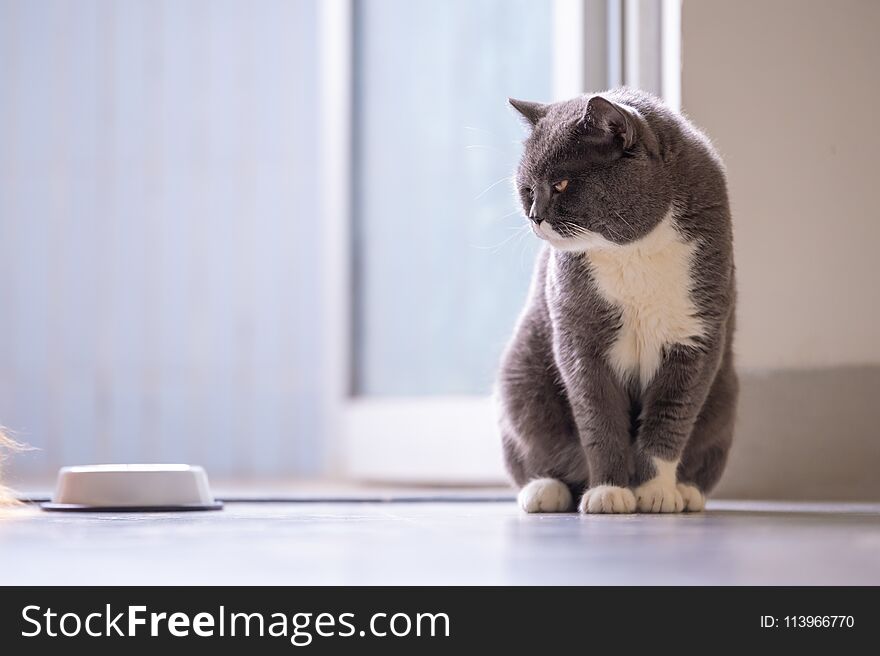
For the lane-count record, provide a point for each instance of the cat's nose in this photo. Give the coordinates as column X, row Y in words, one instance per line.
column 540, row 205
column 533, row 213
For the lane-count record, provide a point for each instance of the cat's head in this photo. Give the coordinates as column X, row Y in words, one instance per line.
column 591, row 173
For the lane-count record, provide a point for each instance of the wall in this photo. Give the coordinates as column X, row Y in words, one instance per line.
column 787, row 89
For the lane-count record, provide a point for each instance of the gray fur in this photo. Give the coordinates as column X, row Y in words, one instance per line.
column 564, row 413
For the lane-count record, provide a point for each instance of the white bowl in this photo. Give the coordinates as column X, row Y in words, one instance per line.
column 132, row 488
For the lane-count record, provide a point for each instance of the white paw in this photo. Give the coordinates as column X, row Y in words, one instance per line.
column 658, row 496
column 694, row 501
column 545, row 495
column 607, row 499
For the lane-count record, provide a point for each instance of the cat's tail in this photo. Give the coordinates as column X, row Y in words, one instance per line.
column 7, row 445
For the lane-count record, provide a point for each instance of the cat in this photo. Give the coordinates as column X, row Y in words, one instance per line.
column 618, row 385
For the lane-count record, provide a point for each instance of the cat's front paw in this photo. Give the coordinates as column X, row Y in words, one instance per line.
column 694, row 500
column 608, row 499
column 545, row 495
column 658, row 496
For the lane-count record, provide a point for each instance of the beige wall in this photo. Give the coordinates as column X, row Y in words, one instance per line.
column 789, row 91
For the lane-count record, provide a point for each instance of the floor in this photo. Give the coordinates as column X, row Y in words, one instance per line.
column 449, row 542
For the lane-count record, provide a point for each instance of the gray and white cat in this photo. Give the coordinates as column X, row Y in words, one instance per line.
column 618, row 385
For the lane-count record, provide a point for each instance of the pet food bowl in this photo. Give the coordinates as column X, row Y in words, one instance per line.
column 132, row 488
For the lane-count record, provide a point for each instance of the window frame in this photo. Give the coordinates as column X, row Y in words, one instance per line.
column 449, row 439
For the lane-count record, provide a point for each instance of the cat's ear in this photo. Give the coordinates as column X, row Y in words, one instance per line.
column 532, row 112
column 610, row 119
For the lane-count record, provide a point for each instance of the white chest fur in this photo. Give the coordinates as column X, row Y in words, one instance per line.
column 649, row 281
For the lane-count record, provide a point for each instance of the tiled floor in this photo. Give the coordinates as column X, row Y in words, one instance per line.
column 444, row 543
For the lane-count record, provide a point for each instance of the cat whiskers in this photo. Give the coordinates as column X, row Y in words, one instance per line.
column 483, row 147
column 572, row 229
column 583, row 232
column 614, row 232
column 519, row 232
column 471, row 128
column 492, row 186
column 516, row 211
column 628, row 225
column 524, row 246
column 575, row 229
column 492, row 220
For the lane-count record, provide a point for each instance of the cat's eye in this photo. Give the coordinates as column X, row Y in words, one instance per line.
column 561, row 186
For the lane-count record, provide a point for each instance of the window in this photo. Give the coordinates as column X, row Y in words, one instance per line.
column 441, row 257
column 441, row 263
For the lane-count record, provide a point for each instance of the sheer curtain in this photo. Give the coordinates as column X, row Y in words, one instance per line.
column 157, row 212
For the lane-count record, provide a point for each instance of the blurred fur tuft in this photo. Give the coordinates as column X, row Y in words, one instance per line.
column 7, row 445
